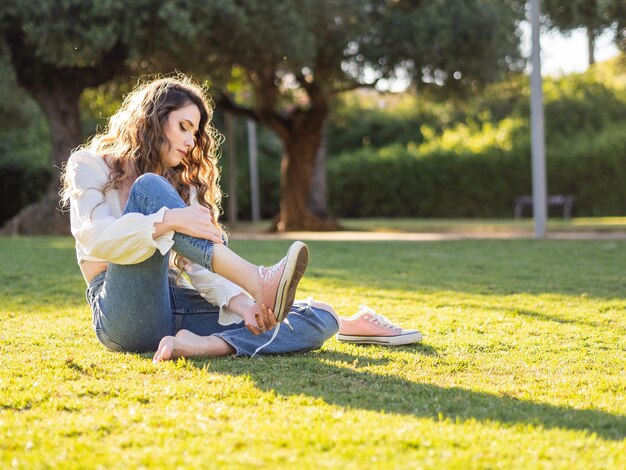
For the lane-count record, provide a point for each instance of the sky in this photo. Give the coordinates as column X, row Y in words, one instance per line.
column 560, row 54
column 566, row 54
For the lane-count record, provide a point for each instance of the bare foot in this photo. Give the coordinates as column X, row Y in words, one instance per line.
column 188, row 344
column 165, row 350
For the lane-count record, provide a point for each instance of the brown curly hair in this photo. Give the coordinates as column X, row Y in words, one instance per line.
column 132, row 141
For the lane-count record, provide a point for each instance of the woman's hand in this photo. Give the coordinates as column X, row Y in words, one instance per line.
column 195, row 220
column 259, row 320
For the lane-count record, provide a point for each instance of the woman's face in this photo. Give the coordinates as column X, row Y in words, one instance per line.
column 180, row 130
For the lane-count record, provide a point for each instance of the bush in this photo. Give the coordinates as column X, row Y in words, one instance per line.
column 592, row 167
column 573, row 103
column 25, row 168
column 447, row 178
column 20, row 186
column 371, row 119
column 474, row 160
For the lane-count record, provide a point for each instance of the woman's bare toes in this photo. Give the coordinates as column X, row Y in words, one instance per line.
column 165, row 350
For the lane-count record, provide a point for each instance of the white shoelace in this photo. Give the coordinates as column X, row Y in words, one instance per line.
column 273, row 336
column 271, row 273
column 378, row 318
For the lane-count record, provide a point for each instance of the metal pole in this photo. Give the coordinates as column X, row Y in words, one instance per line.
column 538, row 146
column 254, row 172
column 232, row 169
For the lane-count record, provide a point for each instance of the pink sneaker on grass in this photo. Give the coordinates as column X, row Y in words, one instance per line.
column 279, row 282
column 368, row 327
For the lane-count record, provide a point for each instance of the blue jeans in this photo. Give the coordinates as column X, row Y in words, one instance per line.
column 136, row 305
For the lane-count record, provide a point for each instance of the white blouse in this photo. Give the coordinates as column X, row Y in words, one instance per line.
column 104, row 233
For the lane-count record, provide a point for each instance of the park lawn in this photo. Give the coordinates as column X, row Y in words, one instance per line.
column 522, row 366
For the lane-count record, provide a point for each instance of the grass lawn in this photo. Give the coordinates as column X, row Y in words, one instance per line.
column 522, row 366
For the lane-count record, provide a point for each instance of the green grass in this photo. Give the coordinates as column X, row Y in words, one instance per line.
column 522, row 366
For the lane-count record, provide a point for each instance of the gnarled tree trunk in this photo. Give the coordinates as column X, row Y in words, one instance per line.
column 57, row 90
column 59, row 102
column 318, row 197
column 300, row 131
column 301, row 144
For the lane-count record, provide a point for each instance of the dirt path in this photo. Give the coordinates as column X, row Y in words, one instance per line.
column 413, row 236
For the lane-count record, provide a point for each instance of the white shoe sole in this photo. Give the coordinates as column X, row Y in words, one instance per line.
column 399, row 340
column 297, row 260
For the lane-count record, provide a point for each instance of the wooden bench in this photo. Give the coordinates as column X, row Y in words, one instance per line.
column 566, row 203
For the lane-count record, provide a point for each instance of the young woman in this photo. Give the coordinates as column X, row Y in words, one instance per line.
column 147, row 188
column 144, row 205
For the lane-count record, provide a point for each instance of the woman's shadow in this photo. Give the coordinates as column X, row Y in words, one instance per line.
column 335, row 378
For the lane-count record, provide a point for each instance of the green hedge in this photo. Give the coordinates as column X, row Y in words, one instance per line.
column 448, row 181
column 25, row 167
column 472, row 158
column 20, row 186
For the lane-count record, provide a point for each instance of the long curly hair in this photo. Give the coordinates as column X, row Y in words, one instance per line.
column 132, row 141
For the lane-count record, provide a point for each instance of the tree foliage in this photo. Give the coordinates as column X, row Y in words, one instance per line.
column 57, row 49
column 293, row 57
column 596, row 16
column 280, row 63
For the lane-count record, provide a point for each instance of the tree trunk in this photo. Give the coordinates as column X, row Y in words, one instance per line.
column 301, row 133
column 57, row 90
column 591, row 45
column 301, row 146
column 59, row 103
column 318, row 201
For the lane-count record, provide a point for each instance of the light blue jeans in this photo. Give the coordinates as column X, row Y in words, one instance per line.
column 136, row 305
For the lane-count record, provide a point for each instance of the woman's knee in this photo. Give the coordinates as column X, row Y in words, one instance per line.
column 326, row 307
column 329, row 319
column 332, row 323
column 150, row 182
column 326, row 323
column 150, row 192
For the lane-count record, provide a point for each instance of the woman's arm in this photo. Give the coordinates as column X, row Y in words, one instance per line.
column 234, row 303
column 194, row 220
column 99, row 235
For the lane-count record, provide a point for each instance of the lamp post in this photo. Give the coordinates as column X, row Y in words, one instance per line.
column 538, row 145
column 254, row 172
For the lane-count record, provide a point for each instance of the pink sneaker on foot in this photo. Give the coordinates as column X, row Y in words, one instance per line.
column 279, row 282
column 368, row 327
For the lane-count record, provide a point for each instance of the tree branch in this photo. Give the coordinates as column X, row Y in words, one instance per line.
column 271, row 119
column 34, row 74
column 352, row 86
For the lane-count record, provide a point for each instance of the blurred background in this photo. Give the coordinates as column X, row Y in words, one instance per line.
column 330, row 109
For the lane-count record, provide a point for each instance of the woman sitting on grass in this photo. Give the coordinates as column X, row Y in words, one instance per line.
column 148, row 186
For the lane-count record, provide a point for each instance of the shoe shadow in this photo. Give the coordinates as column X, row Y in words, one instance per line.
column 335, row 378
column 419, row 348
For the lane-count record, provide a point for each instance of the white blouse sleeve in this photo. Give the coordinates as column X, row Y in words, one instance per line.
column 216, row 290
column 99, row 235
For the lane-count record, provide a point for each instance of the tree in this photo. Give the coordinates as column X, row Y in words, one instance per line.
column 296, row 55
column 293, row 56
column 57, row 49
column 595, row 16
column 616, row 9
